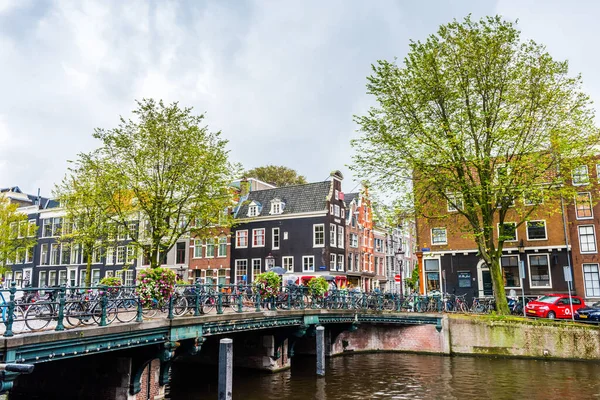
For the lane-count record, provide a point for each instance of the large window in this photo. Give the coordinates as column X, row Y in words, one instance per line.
column 539, row 271
column 275, row 238
column 510, row 231
column 222, row 246
column 583, row 205
column 55, row 254
column 210, row 248
column 110, row 255
column 319, row 235
column 438, row 236
column 121, row 255
column 179, row 256
column 340, row 237
column 581, row 175
column 241, row 239
column 256, row 263
column 197, row 248
column 350, row 261
column 288, row 263
column 510, row 269
column 340, row 263
column 432, row 275
column 587, row 239
column 354, row 240
column 332, row 262
column 455, row 202
column 536, row 230
column 51, row 278
column 241, row 270
column 47, row 227
column 74, row 254
column 332, row 234
column 591, row 276
column 258, row 237
column 308, row 263
column 66, row 253
column 378, row 245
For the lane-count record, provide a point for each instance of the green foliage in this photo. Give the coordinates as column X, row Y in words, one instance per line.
column 276, row 175
column 16, row 234
column 413, row 281
column 111, row 281
column 268, row 284
column 317, row 286
column 155, row 285
column 476, row 119
column 166, row 166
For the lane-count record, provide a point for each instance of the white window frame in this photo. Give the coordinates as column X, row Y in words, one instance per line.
column 275, row 234
column 589, row 196
column 52, row 278
column 340, row 262
column 529, row 271
column 594, row 236
column 222, row 245
column 239, row 236
column 332, row 235
column 45, row 281
column 75, row 253
column 256, row 262
column 315, row 226
column 354, row 240
column 287, row 262
column 197, row 246
column 585, row 288
column 518, row 270
column 587, row 173
column 456, row 198
column 516, row 233
column 118, row 259
column 312, row 260
column 95, row 270
column 336, row 209
column 332, row 261
column 340, row 238
column 331, row 209
column 235, row 271
column 440, row 243
column 545, row 229
column 58, row 247
column 110, row 256
column 253, row 210
column 254, row 231
column 210, row 248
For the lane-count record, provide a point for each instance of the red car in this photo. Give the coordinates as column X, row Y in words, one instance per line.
column 553, row 306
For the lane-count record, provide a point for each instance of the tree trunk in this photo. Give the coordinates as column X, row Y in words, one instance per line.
column 88, row 268
column 498, row 286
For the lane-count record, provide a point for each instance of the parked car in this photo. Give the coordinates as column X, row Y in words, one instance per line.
column 589, row 313
column 553, row 306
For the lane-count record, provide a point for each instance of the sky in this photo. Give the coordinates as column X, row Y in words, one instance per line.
column 280, row 79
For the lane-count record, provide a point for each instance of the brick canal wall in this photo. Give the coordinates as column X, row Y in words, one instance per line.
column 517, row 337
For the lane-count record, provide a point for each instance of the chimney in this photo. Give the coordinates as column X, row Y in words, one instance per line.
column 244, row 187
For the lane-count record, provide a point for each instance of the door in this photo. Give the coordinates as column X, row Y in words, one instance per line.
column 486, row 277
column 432, row 276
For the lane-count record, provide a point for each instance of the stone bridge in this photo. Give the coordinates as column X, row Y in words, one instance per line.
column 119, row 361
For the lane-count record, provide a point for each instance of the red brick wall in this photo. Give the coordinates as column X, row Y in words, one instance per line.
column 157, row 392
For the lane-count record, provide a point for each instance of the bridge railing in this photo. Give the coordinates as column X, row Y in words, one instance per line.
column 59, row 308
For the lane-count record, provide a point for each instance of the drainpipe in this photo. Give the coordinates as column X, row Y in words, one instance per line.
column 564, row 217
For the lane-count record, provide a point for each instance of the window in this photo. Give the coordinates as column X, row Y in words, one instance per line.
column 438, row 236
column 340, row 237
column 337, row 194
column 258, row 237
column 308, row 263
column 377, row 265
column 510, row 270
column 209, row 277
column 130, row 258
column 51, row 278
column 533, row 197
column 340, row 264
column 288, row 263
column 510, row 231
column 31, row 228
column 241, row 239
column 222, row 246
column 331, row 209
column 591, row 277
column 109, row 274
column 336, row 210
column 74, row 254
column 332, row 234
column 378, row 245
column 20, row 255
column 587, row 239
column 581, row 175
column 354, row 240
column 464, row 279
column 253, row 210
column 110, row 255
column 255, row 268
column 275, row 238
column 47, row 227
column 536, row 230
column 332, row 262
column 29, row 256
column 82, row 277
column 197, row 248
column 62, row 277
column 121, row 255
column 22, row 229
column 241, row 270
column 222, row 276
column 350, row 261
column 42, row 278
column 55, row 254
column 210, row 248
column 343, row 212
column 96, row 255
column 129, row 277
column 432, row 274
column 455, row 202
column 583, row 205
column 539, row 271
column 121, row 232
column 319, row 235
column 277, row 206
column 357, row 266
column 56, row 226
column 66, row 253
column 95, row 277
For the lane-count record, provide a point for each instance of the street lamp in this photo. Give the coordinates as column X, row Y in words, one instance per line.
column 269, row 262
column 180, row 271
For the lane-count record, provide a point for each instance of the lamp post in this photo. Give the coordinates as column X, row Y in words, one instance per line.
column 269, row 262
column 181, row 271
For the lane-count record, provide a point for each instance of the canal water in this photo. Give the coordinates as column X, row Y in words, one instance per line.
column 399, row 376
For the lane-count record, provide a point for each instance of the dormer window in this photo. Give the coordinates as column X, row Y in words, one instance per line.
column 253, row 209
column 277, row 207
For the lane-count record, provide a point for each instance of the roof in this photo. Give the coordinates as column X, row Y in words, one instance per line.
column 348, row 197
column 17, row 194
column 310, row 197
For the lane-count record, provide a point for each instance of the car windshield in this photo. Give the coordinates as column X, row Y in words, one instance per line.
column 548, row 299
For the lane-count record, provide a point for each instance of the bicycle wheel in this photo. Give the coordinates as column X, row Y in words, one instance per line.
column 389, row 305
column 149, row 311
column 111, row 312
column 207, row 304
column 38, row 316
column 180, row 306
column 126, row 310
column 74, row 313
column 18, row 320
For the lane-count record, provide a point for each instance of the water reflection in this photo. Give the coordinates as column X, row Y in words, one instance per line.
column 400, row 376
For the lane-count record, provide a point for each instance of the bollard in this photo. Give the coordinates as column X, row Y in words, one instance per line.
column 225, row 368
column 321, row 350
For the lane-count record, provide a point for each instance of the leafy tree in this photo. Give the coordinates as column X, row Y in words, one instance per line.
column 478, row 119
column 276, row 175
column 87, row 220
column 17, row 236
column 165, row 169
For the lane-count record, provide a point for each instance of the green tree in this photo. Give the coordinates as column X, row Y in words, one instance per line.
column 276, row 175
column 478, row 119
column 87, row 220
column 17, row 235
column 165, row 169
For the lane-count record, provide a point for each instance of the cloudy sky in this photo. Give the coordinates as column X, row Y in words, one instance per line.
column 281, row 79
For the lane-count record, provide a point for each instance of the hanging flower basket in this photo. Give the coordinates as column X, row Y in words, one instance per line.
column 155, row 286
column 114, row 285
column 317, row 287
column 267, row 284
